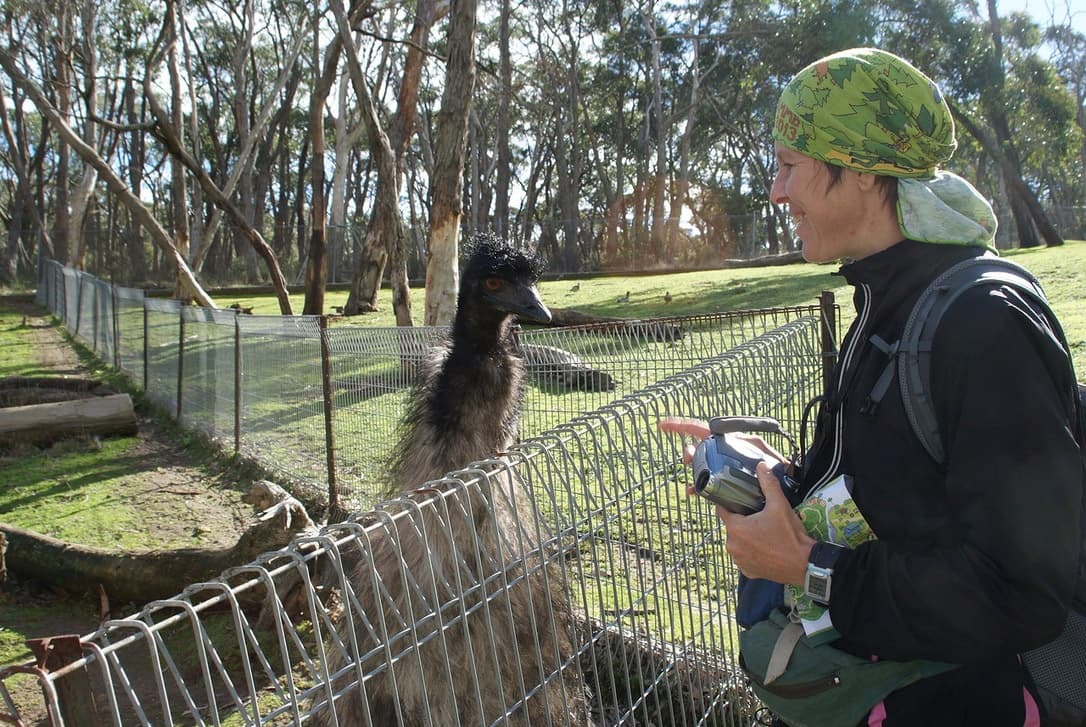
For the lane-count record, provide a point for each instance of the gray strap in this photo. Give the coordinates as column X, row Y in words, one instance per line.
column 782, row 651
column 883, row 382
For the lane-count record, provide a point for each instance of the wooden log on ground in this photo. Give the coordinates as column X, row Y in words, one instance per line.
column 635, row 327
column 27, row 390
column 144, row 576
column 44, row 423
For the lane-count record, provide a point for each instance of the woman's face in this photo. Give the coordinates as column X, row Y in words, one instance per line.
column 831, row 221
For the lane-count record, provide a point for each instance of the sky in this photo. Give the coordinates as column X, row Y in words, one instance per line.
column 1043, row 10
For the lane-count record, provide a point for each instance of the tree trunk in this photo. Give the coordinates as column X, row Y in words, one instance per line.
column 178, row 193
column 316, row 266
column 63, row 89
column 386, row 239
column 43, row 423
column 446, row 185
column 169, row 137
column 1012, row 177
column 80, row 202
column 145, row 576
column 135, row 207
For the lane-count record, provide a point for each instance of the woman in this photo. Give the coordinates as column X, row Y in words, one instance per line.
column 974, row 561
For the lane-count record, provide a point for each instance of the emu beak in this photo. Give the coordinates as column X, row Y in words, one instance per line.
column 529, row 307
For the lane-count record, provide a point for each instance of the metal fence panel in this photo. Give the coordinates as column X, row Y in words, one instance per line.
column 207, row 382
column 282, row 401
column 570, row 581
column 129, row 327
column 162, row 346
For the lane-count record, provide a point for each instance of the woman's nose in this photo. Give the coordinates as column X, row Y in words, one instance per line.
column 776, row 190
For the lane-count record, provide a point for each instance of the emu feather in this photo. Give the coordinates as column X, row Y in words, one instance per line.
column 477, row 622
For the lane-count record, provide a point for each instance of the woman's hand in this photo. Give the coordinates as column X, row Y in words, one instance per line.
column 698, row 429
column 770, row 543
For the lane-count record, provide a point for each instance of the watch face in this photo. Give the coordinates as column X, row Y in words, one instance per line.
column 818, row 587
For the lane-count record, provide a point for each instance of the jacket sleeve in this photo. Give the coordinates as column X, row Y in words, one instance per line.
column 998, row 577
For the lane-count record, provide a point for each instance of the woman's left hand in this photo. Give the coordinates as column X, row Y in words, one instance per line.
column 772, row 542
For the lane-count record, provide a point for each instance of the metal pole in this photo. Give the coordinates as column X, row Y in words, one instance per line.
column 828, row 319
column 180, row 360
column 237, row 381
column 146, row 347
column 329, row 410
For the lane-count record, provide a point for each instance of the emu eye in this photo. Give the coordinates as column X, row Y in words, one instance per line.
column 494, row 283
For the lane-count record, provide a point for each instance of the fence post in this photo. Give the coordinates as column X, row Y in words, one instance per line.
column 237, row 381
column 73, row 690
column 828, row 320
column 146, row 347
column 180, row 360
column 116, row 328
column 329, row 404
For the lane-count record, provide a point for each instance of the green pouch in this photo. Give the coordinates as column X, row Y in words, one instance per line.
column 821, row 686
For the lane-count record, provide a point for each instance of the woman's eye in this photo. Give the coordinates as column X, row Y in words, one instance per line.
column 493, row 283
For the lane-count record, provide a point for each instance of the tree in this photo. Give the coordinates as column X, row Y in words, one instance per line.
column 446, row 185
column 158, row 235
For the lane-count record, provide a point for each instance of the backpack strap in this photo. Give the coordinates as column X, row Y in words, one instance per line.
column 914, row 371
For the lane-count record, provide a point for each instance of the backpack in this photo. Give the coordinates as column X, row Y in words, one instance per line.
column 1058, row 668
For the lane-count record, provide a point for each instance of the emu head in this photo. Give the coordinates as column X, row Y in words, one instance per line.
column 499, row 281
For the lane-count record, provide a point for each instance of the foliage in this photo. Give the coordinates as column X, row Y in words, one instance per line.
column 637, row 135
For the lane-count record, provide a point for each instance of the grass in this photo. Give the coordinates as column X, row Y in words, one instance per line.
column 1062, row 271
column 69, row 494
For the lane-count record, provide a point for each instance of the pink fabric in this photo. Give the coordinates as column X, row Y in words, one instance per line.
column 877, row 715
column 1033, row 714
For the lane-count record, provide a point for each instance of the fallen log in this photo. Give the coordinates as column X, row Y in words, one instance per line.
column 148, row 575
column 44, row 423
column 651, row 330
column 27, row 390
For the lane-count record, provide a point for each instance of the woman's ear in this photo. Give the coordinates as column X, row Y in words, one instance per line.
column 865, row 181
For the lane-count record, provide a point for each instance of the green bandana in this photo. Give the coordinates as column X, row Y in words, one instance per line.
column 868, row 110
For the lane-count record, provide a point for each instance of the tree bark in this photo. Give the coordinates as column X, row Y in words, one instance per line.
column 385, row 237
column 81, row 198
column 446, row 185
column 135, row 207
column 43, row 423
column 169, row 137
column 149, row 575
column 178, row 193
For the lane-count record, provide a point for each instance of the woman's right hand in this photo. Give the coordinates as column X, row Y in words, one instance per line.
column 698, row 429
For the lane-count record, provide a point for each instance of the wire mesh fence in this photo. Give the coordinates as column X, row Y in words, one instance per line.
column 318, row 403
column 568, row 582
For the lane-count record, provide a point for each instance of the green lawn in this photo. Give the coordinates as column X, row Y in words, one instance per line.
column 1062, row 270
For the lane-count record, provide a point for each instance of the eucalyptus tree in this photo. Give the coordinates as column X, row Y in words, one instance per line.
column 385, row 240
column 1069, row 59
column 446, row 183
column 998, row 87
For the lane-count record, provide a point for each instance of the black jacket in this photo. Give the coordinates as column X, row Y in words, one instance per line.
column 976, row 560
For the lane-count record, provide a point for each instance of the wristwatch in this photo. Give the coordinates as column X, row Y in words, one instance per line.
column 819, row 576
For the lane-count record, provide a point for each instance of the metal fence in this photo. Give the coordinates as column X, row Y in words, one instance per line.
column 571, row 581
column 317, row 400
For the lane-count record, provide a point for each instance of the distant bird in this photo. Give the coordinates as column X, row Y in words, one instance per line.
column 575, row 288
column 465, row 407
column 667, row 297
column 550, row 365
column 625, row 298
column 247, row 310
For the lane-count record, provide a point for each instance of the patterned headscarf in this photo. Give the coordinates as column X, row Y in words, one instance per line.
column 871, row 111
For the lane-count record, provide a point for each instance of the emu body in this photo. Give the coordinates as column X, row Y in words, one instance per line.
column 478, row 628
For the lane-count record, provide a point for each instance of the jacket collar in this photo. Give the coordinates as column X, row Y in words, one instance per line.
column 896, row 275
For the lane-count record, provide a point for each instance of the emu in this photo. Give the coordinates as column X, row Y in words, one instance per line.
column 494, row 648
